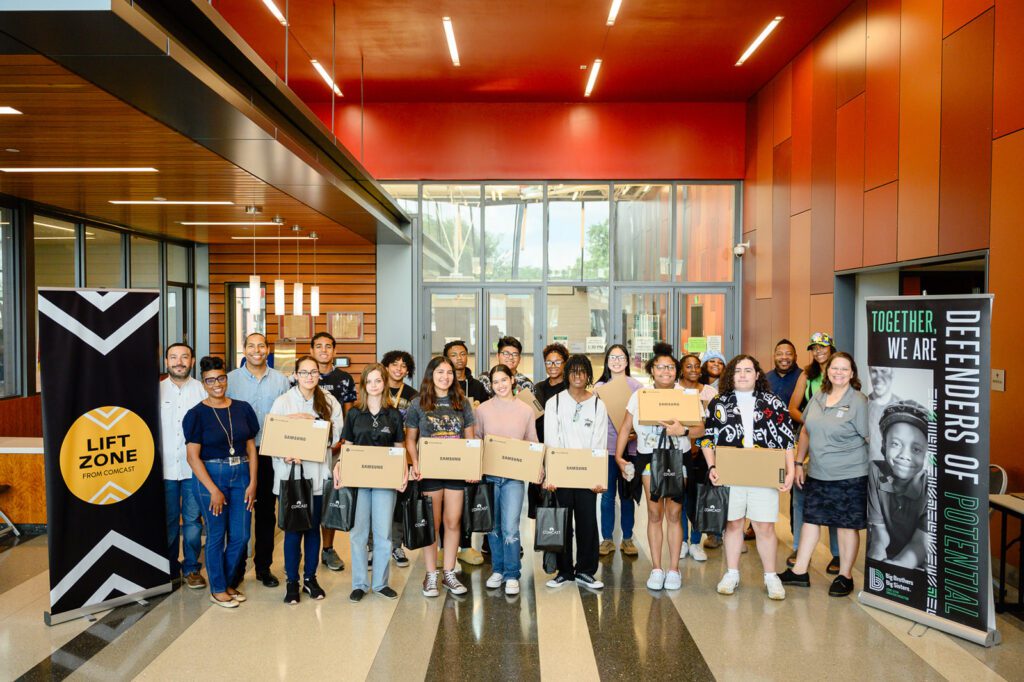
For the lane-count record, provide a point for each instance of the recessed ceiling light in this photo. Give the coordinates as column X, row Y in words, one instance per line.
column 247, row 223
column 276, row 11
column 614, row 12
column 8, row 110
column 326, row 76
column 91, row 169
column 593, row 78
column 449, row 34
column 759, row 39
column 126, row 202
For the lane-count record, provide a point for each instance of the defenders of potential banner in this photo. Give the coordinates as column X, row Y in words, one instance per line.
column 928, row 539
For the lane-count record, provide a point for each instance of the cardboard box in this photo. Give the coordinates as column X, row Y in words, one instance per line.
column 455, row 459
column 305, row 439
column 615, row 395
column 527, row 396
column 757, row 467
column 519, row 460
column 364, row 466
column 656, row 405
column 576, row 468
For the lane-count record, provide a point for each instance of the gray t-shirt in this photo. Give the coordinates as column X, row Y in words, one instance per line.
column 441, row 422
column 838, row 436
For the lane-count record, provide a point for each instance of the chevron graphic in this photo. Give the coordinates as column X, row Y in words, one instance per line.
column 111, row 496
column 114, row 582
column 106, row 424
column 102, row 345
column 111, row 539
column 102, row 299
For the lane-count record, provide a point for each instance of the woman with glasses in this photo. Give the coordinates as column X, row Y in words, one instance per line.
column 306, row 400
column 664, row 369
column 555, row 357
column 220, row 445
column 577, row 418
column 616, row 364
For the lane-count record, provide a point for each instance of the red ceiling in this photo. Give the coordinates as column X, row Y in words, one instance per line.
column 531, row 50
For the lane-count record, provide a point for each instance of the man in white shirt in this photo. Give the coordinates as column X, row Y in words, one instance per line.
column 179, row 393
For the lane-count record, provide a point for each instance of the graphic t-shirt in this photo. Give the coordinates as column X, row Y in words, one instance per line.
column 339, row 383
column 442, row 422
column 399, row 398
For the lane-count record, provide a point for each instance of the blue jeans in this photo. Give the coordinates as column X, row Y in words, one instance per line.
column 181, row 503
column 504, row 539
column 693, row 533
column 306, row 542
column 375, row 509
column 627, row 508
column 797, row 521
column 227, row 535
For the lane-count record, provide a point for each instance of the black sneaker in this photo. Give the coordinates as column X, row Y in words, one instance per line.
column 356, row 595
column 311, row 587
column 833, row 566
column 558, row 581
column 841, row 586
column 268, row 579
column 588, row 581
column 387, row 593
column 398, row 554
column 788, row 577
column 291, row 594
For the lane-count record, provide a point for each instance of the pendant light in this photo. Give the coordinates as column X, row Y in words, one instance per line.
column 314, row 291
column 254, row 279
column 297, row 287
column 279, row 303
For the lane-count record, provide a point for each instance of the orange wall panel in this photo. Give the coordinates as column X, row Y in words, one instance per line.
column 800, row 277
column 765, row 115
column 965, row 167
column 803, row 86
column 880, row 224
column 750, row 169
column 882, row 88
column 850, row 45
column 823, row 163
column 1008, row 113
column 781, row 164
column 783, row 115
column 920, row 91
column 22, row 417
column 749, row 266
column 849, row 246
column 956, row 13
column 821, row 314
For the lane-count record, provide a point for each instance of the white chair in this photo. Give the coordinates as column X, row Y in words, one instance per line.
column 997, row 480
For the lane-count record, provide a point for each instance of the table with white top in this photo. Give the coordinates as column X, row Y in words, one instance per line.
column 1007, row 506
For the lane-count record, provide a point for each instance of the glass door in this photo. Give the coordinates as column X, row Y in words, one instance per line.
column 702, row 322
column 643, row 320
column 454, row 315
column 515, row 312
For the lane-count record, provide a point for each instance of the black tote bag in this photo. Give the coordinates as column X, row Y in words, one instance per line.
column 478, row 508
column 295, row 503
column 417, row 518
column 552, row 525
column 668, row 470
column 712, row 508
column 339, row 507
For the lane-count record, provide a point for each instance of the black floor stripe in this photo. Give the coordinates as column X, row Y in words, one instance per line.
column 484, row 635
column 637, row 633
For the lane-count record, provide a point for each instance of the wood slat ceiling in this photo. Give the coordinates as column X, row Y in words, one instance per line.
column 67, row 121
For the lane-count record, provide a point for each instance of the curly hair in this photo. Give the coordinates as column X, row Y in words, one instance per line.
column 661, row 350
column 393, row 355
column 826, row 385
column 555, row 348
column 725, row 383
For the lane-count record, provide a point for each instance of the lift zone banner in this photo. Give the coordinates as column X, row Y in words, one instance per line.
column 99, row 362
column 928, row 540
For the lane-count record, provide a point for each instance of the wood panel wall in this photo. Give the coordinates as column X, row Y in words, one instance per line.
column 906, row 140
column 25, row 502
column 22, row 417
column 346, row 276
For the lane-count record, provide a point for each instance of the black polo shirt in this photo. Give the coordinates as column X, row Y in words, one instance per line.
column 383, row 429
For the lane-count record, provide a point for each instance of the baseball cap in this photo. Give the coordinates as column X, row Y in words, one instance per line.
column 820, row 339
column 908, row 411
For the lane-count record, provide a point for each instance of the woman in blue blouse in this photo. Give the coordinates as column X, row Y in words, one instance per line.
column 221, row 448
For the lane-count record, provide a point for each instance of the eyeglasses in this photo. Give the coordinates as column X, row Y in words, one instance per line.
column 665, row 368
column 210, row 381
column 509, row 354
column 307, row 373
column 617, row 358
column 552, row 363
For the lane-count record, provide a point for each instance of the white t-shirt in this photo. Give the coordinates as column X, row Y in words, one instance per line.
column 568, row 424
column 647, row 436
column 745, row 401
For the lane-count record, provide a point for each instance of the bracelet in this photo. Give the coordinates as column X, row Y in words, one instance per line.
column 712, row 467
column 799, row 464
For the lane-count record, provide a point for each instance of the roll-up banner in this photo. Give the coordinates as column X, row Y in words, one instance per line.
column 99, row 361
column 928, row 534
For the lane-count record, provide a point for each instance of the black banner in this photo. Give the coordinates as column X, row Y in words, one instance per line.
column 99, row 359
column 928, row 534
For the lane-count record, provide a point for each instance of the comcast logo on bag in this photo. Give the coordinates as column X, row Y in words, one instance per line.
column 106, row 455
column 712, row 508
column 479, row 509
column 876, row 580
column 548, row 532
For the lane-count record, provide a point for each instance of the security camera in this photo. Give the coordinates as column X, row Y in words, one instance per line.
column 740, row 249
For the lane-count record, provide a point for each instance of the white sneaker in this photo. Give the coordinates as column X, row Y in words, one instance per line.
column 673, row 581
column 728, row 583
column 683, row 551
column 775, row 589
column 697, row 552
column 494, row 580
column 657, row 579
column 512, row 587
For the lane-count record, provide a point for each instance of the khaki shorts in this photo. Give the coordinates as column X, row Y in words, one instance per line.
column 756, row 504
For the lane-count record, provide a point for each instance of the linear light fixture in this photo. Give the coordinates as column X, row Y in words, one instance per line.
column 275, row 10
column 449, row 34
column 247, row 223
column 247, row 238
column 759, row 39
column 53, row 227
column 84, row 169
column 155, row 202
column 593, row 77
column 613, row 13
column 8, row 110
column 326, row 76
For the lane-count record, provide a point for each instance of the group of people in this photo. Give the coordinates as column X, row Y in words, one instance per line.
column 212, row 428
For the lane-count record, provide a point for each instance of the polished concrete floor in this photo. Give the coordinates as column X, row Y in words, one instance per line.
column 623, row 632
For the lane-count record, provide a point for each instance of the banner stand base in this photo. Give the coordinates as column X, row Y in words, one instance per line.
column 984, row 638
column 86, row 611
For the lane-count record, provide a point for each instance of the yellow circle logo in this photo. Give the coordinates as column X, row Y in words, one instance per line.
column 107, row 455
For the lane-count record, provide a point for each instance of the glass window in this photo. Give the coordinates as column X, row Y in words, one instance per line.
column 578, row 319
column 706, row 220
column 145, row 263
column 103, row 262
column 451, row 233
column 513, row 232
column 178, row 269
column 8, row 294
column 243, row 321
column 53, row 245
column 511, row 315
column 645, row 322
column 453, row 316
column 643, row 229
column 701, row 320
column 578, row 232
column 176, row 315
column 407, row 196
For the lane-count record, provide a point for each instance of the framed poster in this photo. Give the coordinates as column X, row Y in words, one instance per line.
column 295, row 327
column 345, row 326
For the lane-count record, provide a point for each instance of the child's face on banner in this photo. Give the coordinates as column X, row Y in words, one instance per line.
column 905, row 450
